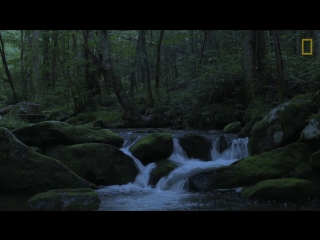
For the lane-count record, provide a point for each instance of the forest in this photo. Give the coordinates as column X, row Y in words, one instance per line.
column 157, row 78
column 195, row 110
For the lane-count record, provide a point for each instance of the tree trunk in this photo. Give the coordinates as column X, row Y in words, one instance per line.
column 145, row 66
column 46, row 64
column 280, row 80
column 157, row 83
column 249, row 64
column 36, row 65
column 105, row 66
column 5, row 65
column 22, row 65
column 54, row 59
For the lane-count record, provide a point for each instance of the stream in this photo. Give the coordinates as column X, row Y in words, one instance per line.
column 172, row 192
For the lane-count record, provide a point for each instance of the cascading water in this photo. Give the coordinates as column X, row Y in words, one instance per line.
column 171, row 192
column 178, row 178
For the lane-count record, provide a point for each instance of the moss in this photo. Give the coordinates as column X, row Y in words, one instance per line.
column 162, row 169
column 277, row 163
column 55, row 132
column 99, row 163
column 65, row 200
column 282, row 190
column 262, row 136
column 153, row 147
column 232, row 127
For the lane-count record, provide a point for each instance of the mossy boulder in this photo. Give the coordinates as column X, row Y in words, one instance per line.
column 153, row 147
column 283, row 189
column 162, row 169
column 82, row 199
column 60, row 115
column 26, row 108
column 277, row 163
column 22, row 170
column 196, row 146
column 233, row 127
column 99, row 163
column 311, row 133
column 278, row 127
column 315, row 161
column 55, row 132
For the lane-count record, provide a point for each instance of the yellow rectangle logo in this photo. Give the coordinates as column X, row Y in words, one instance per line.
column 303, row 42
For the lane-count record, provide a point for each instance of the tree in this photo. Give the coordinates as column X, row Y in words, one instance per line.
column 5, row 65
column 280, row 79
column 157, row 82
column 105, row 66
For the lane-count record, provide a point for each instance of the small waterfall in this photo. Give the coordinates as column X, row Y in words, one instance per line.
column 143, row 176
column 178, row 178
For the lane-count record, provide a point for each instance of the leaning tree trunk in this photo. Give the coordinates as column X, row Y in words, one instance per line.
column 106, row 69
column 5, row 65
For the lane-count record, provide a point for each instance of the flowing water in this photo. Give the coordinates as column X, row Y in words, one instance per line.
column 172, row 193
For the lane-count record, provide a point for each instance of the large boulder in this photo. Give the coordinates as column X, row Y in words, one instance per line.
column 196, row 146
column 26, row 108
column 82, row 199
column 311, row 133
column 99, row 163
column 283, row 189
column 153, row 147
column 55, row 132
column 22, row 170
column 278, row 163
column 233, row 127
column 315, row 161
column 281, row 124
column 162, row 169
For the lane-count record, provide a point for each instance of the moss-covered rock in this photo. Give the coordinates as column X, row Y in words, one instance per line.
column 55, row 132
column 22, row 170
column 60, row 115
column 26, row 108
column 283, row 189
column 311, row 133
column 99, row 163
column 153, row 147
column 73, row 121
column 315, row 161
column 277, row 163
column 278, row 126
column 196, row 146
column 233, row 127
column 162, row 169
column 82, row 199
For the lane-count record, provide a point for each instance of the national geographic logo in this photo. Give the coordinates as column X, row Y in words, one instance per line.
column 306, row 47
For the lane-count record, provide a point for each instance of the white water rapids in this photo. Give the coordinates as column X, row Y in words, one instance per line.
column 171, row 192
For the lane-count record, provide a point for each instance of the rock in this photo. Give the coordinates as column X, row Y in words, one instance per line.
column 23, row 170
column 99, row 163
column 311, row 133
column 162, row 169
column 277, row 163
column 49, row 133
column 82, row 199
column 61, row 115
column 283, row 189
column 196, row 146
column 26, row 108
column 315, row 161
column 278, row 126
column 32, row 118
column 232, row 127
column 6, row 110
column 223, row 144
column 153, row 147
